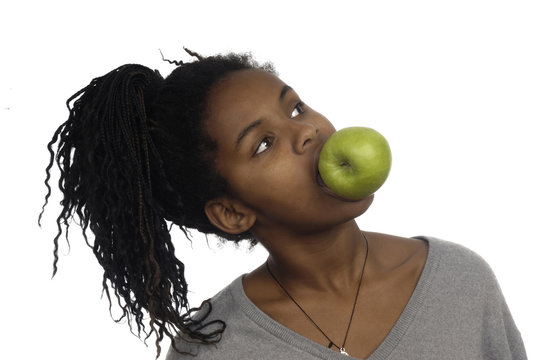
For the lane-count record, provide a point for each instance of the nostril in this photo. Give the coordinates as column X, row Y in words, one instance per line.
column 306, row 142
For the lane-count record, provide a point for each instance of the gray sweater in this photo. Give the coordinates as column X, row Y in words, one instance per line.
column 457, row 311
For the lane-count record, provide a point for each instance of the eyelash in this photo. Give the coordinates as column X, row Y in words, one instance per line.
column 268, row 140
column 300, row 107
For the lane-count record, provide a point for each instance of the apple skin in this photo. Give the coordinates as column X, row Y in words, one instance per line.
column 355, row 162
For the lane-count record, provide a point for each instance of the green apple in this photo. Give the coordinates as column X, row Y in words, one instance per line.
column 355, row 162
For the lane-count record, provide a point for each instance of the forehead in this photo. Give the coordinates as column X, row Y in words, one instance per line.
column 242, row 90
column 241, row 97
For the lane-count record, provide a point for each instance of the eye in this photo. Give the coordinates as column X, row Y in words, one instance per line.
column 298, row 109
column 264, row 145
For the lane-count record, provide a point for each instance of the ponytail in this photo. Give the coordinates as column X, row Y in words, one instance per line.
column 110, row 170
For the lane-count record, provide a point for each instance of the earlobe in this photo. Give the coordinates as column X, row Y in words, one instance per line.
column 229, row 216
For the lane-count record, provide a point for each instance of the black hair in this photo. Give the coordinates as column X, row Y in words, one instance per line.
column 133, row 158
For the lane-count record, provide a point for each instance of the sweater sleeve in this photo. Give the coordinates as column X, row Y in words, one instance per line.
column 501, row 338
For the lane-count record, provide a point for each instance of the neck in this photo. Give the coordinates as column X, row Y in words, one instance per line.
column 325, row 261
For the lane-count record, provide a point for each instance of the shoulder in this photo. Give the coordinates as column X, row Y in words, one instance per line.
column 460, row 273
column 465, row 294
column 213, row 315
column 248, row 332
column 458, row 259
column 446, row 271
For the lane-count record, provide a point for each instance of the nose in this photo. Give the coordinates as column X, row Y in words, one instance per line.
column 305, row 135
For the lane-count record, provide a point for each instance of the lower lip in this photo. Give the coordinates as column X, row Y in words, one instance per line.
column 329, row 191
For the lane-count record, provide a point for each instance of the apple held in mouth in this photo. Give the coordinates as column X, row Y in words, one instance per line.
column 355, row 162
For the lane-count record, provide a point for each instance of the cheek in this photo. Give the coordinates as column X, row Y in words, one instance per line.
column 272, row 184
column 264, row 181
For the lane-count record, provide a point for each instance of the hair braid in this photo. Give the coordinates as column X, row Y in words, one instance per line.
column 133, row 155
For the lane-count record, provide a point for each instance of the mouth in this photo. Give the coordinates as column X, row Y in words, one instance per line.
column 320, row 182
column 330, row 192
column 323, row 185
column 319, row 179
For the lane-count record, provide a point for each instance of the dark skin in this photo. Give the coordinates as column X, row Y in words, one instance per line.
column 268, row 145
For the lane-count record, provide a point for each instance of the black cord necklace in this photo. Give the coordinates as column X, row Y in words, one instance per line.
column 331, row 343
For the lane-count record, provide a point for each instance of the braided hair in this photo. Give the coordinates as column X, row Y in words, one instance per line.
column 134, row 157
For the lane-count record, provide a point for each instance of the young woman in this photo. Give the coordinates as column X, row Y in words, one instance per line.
column 223, row 146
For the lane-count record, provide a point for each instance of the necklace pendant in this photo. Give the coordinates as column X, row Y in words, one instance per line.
column 343, row 351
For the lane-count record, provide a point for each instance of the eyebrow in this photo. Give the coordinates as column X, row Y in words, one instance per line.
column 258, row 122
column 284, row 91
column 246, row 130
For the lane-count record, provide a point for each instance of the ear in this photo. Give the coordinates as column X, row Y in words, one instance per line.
column 229, row 215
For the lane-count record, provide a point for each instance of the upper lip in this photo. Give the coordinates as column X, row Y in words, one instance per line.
column 317, row 177
column 316, row 159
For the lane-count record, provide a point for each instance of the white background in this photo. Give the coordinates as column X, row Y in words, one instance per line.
column 455, row 86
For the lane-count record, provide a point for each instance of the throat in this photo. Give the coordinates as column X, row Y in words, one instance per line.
column 346, row 315
column 332, row 267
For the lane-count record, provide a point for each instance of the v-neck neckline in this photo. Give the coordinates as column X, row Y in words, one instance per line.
column 386, row 346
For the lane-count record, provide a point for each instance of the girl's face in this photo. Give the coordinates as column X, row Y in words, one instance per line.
column 268, row 143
